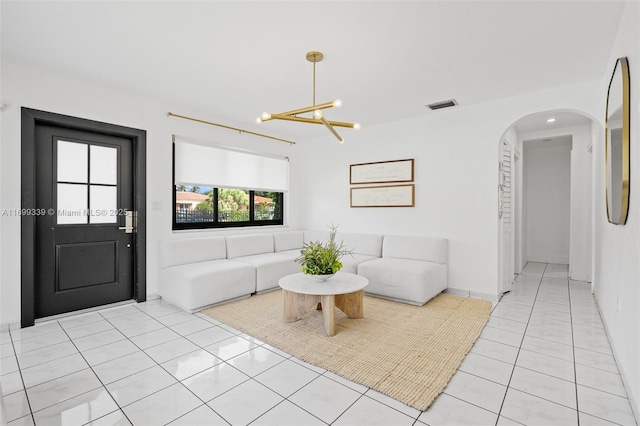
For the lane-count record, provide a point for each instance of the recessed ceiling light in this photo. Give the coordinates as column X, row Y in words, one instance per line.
column 551, row 120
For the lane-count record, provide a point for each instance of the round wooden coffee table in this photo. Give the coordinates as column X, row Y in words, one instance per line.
column 343, row 291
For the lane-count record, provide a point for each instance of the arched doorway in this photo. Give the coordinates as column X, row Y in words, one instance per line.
column 545, row 190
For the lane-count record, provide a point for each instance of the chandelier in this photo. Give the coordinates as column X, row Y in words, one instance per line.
column 317, row 116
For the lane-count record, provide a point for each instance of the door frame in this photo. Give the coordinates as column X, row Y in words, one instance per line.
column 30, row 118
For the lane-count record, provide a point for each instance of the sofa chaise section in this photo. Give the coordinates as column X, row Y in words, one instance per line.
column 194, row 273
column 412, row 269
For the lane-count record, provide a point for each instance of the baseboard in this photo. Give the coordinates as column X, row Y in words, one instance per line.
column 473, row 294
column 543, row 258
column 457, row 292
column 485, row 296
column 632, row 401
column 578, row 277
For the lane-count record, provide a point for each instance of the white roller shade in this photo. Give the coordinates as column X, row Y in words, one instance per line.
column 222, row 167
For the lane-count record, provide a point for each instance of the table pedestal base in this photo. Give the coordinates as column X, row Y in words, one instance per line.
column 296, row 305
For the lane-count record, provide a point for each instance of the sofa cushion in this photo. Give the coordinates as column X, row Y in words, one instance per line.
column 427, row 249
column 290, row 240
column 406, row 280
column 350, row 262
column 248, row 245
column 290, row 254
column 196, row 285
column 190, row 250
column 270, row 267
column 369, row 244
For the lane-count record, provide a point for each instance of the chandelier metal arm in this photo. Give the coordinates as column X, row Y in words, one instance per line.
column 331, row 129
column 308, row 109
column 308, row 120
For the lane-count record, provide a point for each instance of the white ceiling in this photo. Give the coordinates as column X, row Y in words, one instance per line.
column 384, row 59
column 538, row 122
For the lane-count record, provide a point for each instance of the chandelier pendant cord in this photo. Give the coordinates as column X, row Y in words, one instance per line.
column 314, row 82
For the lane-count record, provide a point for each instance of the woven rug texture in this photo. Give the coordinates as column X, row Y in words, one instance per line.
column 403, row 351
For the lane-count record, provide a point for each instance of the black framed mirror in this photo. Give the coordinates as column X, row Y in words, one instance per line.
column 617, row 144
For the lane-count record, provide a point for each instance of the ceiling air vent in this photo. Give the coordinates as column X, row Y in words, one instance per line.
column 443, row 104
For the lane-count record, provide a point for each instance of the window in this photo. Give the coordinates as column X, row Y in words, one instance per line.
column 216, row 187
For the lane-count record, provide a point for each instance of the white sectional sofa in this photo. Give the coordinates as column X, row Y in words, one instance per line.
column 199, row 272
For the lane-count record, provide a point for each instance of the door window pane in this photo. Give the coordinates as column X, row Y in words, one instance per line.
column 104, row 165
column 104, row 204
column 72, row 204
column 72, row 162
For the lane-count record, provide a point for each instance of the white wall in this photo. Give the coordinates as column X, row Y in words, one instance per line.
column 616, row 277
column 547, row 188
column 25, row 86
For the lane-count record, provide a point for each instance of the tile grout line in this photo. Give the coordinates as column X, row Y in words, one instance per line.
column 206, row 403
column 573, row 352
column 97, row 377
column 159, row 365
column 164, row 369
column 71, row 340
column 520, row 348
column 24, row 386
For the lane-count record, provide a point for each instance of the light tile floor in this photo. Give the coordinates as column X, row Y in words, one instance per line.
column 543, row 359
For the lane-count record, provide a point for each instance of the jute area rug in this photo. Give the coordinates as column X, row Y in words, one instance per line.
column 406, row 352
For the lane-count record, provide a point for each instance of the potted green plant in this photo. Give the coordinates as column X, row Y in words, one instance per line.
column 322, row 260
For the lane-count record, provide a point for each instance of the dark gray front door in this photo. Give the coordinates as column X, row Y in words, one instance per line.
column 84, row 192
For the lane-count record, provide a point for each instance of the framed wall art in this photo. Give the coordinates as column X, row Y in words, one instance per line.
column 383, row 196
column 382, row 172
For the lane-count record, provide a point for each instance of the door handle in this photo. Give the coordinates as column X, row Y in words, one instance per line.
column 128, row 222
